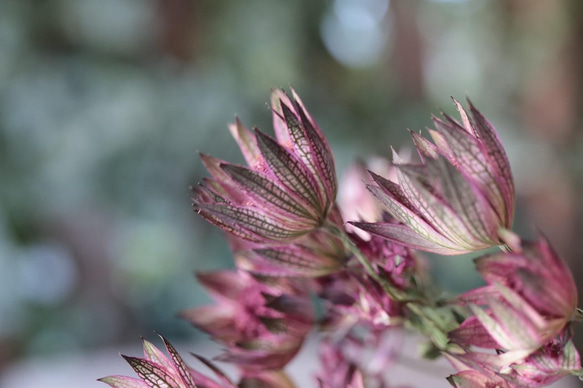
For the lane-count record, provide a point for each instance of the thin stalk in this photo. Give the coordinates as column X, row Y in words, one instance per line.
column 394, row 293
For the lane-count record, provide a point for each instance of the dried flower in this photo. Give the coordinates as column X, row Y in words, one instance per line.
column 531, row 295
column 158, row 370
column 155, row 370
column 555, row 360
column 262, row 323
column 458, row 198
column 287, row 190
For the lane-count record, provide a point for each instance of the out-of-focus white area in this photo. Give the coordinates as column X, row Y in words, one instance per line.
column 81, row 370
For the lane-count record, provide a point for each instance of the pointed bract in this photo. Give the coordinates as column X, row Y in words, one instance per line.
column 156, row 370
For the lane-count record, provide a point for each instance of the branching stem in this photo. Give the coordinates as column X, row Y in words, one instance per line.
column 394, row 293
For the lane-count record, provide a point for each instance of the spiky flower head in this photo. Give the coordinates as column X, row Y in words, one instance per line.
column 155, row 370
column 288, row 187
column 262, row 322
column 158, row 370
column 460, row 195
column 556, row 359
column 531, row 296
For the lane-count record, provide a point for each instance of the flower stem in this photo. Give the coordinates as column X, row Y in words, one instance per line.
column 394, row 293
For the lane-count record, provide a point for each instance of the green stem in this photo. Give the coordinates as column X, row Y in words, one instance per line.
column 420, row 305
column 394, row 293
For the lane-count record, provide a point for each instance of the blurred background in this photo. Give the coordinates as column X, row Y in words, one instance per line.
column 105, row 103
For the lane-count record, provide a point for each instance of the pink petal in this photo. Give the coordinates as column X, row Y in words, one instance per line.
column 497, row 155
column 248, row 223
column 301, row 260
column 279, row 125
column 434, row 210
column 320, row 154
column 406, row 236
column 152, row 374
column 267, row 193
column 247, row 144
column 293, row 174
column 427, row 151
column 155, row 355
column 179, row 364
column 472, row 332
column 467, row 154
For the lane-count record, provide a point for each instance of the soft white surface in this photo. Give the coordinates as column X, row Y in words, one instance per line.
column 82, row 370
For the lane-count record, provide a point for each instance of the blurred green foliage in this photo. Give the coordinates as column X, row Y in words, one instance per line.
column 105, row 103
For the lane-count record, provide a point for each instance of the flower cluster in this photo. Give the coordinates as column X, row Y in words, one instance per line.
column 291, row 245
column 262, row 322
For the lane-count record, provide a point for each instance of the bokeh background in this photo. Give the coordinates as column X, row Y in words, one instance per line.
column 105, row 103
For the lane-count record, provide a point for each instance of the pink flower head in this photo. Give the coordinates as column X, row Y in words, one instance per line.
column 289, row 186
column 262, row 323
column 531, row 295
column 553, row 361
column 157, row 370
column 460, row 195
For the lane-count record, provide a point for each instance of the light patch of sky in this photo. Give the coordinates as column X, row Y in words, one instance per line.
column 112, row 25
column 354, row 31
